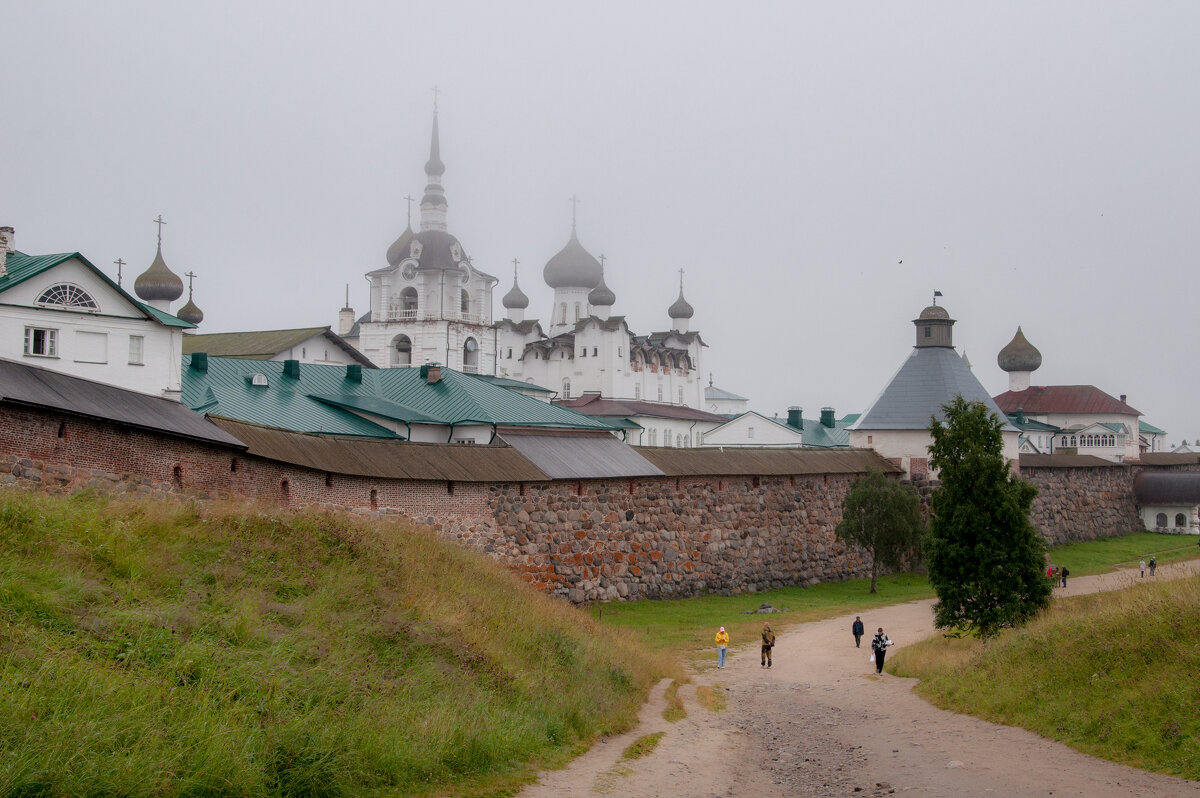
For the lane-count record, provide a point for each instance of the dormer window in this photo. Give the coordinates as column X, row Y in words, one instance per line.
column 68, row 295
column 259, row 379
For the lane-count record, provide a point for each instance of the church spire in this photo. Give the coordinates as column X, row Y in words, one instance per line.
column 433, row 204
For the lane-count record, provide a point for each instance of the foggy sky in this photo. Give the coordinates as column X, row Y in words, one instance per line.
column 1035, row 162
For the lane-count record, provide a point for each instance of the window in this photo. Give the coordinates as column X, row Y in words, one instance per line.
column 928, row 332
column 678, row 441
column 618, row 351
column 510, row 353
column 681, row 395
column 577, row 312
column 466, row 302
column 66, row 295
column 408, row 300
column 259, row 379
column 660, row 393
column 1160, row 520
column 41, row 342
column 566, row 389
column 667, row 438
column 583, row 352
column 1180, row 519
column 562, row 311
column 401, row 351
column 750, row 432
column 595, row 351
column 471, row 356
column 137, row 348
column 637, row 391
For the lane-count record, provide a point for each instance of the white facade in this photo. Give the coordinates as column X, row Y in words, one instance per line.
column 724, row 403
column 71, row 319
column 1180, row 519
column 905, row 446
column 754, row 429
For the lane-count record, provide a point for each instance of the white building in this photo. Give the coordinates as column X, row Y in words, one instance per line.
column 60, row 312
column 722, row 402
column 305, row 345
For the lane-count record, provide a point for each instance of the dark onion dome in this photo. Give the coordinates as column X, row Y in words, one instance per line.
column 434, row 165
column 515, row 299
column 435, row 250
column 158, row 283
column 602, row 296
column 573, row 267
column 190, row 313
column 933, row 312
column 398, row 251
column 680, row 309
column 1019, row 355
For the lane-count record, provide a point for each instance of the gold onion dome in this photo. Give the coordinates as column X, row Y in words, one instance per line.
column 1019, row 355
column 158, row 283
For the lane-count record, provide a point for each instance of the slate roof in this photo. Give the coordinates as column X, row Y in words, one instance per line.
column 1063, row 399
column 1167, row 487
column 712, row 393
column 21, row 267
column 321, row 399
column 592, row 404
column 265, row 344
column 579, row 456
column 29, row 386
column 1169, row 458
column 929, row 378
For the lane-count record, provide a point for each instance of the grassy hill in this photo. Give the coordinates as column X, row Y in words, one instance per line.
column 177, row 649
column 1111, row 674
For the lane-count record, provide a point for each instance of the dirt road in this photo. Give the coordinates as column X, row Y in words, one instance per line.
column 821, row 723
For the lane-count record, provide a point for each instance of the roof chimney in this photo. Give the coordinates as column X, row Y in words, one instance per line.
column 827, row 417
column 291, row 368
column 6, row 246
column 431, row 373
column 795, row 419
column 354, row 372
column 200, row 361
column 1122, row 398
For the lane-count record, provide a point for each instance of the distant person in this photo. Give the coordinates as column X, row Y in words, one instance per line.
column 1153, row 565
column 722, row 644
column 857, row 630
column 1050, row 572
column 768, row 643
column 1064, row 573
column 1142, row 567
column 879, row 647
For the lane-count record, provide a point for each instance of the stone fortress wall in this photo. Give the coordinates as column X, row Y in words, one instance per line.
column 584, row 540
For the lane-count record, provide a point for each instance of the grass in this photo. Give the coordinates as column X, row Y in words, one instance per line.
column 675, row 711
column 161, row 649
column 1111, row 674
column 1102, row 556
column 642, row 746
column 711, row 698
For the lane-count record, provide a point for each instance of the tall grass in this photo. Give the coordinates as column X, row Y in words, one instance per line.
column 1101, row 556
column 164, row 649
column 1111, row 674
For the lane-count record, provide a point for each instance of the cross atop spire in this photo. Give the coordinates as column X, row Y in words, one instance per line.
column 681, row 281
column 119, row 263
column 410, row 199
column 159, row 221
column 347, row 294
column 436, row 92
column 515, row 264
column 191, row 276
column 574, row 200
column 602, row 259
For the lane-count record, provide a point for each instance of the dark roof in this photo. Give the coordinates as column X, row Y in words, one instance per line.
column 1058, row 460
column 515, row 299
column 680, row 309
column 1167, row 487
column 572, row 267
column 264, row 344
column 1062, row 399
column 765, row 462
column 929, row 378
column 398, row 251
column 579, row 456
column 592, row 404
column 1169, row 458
column 437, row 248
column 29, row 386
column 1019, row 355
column 386, row 459
column 523, row 327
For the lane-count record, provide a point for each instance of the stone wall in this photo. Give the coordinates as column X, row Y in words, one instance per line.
column 1083, row 503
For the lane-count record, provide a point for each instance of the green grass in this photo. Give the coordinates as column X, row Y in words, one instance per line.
column 642, row 746
column 675, row 710
column 1111, row 674
column 1102, row 556
column 162, row 649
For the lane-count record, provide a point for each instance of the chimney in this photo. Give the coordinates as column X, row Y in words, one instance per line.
column 200, row 361
column 795, row 419
column 1020, row 415
column 7, row 245
column 291, row 368
column 1122, row 398
column 431, row 373
column 354, row 372
column 827, row 417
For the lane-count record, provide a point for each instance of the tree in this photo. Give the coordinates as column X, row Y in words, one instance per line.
column 883, row 517
column 985, row 558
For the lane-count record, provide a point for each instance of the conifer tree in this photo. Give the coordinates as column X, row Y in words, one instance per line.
column 883, row 517
column 985, row 558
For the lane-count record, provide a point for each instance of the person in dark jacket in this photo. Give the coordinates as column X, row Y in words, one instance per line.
column 1065, row 573
column 879, row 646
column 768, row 643
column 857, row 630
column 1153, row 565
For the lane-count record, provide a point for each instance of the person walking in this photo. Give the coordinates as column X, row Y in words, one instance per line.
column 857, row 630
column 1153, row 565
column 879, row 647
column 1142, row 567
column 722, row 644
column 768, row 643
column 1064, row 573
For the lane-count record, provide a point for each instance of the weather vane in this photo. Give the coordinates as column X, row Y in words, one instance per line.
column 936, row 294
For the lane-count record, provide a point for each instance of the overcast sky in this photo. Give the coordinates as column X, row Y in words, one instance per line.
column 818, row 169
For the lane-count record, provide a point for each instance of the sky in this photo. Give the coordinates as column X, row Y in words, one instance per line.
column 817, row 170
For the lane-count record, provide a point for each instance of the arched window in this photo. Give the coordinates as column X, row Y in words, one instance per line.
column 68, row 295
column 471, row 356
column 466, row 302
column 1073, row 443
column 1064, row 441
column 1180, row 520
column 578, row 312
column 566, row 389
column 562, row 314
column 1160, row 520
column 667, row 438
column 678, row 441
column 401, row 351
column 408, row 300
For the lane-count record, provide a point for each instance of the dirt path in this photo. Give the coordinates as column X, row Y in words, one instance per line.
column 821, row 723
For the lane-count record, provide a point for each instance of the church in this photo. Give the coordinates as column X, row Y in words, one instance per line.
column 431, row 304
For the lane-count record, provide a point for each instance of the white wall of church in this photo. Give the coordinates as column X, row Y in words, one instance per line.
column 904, row 445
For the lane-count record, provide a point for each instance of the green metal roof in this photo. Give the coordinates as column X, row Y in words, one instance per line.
column 1144, row 427
column 322, row 399
column 1113, row 426
column 265, row 344
column 21, row 267
column 515, row 385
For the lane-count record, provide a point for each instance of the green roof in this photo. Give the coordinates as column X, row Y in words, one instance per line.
column 1144, row 427
column 21, row 267
column 323, row 400
column 514, row 385
column 264, row 344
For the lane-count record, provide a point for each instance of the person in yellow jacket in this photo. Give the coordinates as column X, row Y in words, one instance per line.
column 722, row 644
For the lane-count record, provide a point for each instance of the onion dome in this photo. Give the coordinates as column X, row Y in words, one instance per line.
column 434, row 250
column 573, row 267
column 602, row 296
column 190, row 313
column 515, row 299
column 158, row 283
column 680, row 309
column 1019, row 355
column 398, row 251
